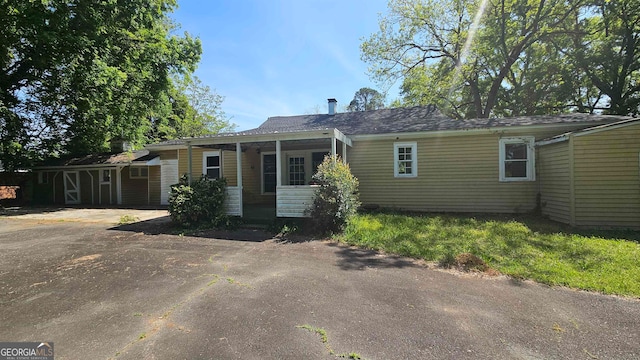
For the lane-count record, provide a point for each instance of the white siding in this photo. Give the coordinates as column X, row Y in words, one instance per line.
column 293, row 201
column 232, row 204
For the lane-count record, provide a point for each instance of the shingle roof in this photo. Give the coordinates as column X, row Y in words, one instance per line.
column 415, row 119
column 400, row 120
column 102, row 159
column 623, row 120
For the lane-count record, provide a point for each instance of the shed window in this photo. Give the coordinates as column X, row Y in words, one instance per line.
column 211, row 164
column 106, row 176
column 43, row 178
column 138, row 172
column 405, row 159
column 517, row 159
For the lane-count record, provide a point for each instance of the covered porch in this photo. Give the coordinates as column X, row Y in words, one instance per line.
column 266, row 171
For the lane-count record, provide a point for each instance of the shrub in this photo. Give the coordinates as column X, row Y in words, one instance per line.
column 336, row 199
column 202, row 203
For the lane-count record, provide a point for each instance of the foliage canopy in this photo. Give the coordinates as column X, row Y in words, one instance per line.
column 484, row 58
column 75, row 74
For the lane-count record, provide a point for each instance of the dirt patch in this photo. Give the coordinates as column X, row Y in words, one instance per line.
column 87, row 260
column 468, row 262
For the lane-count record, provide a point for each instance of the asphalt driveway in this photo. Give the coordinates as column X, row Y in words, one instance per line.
column 137, row 293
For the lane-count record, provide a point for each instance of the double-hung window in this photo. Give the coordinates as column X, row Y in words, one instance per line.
column 405, row 157
column 211, row 164
column 517, row 159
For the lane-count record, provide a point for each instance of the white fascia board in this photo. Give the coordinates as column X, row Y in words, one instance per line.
column 70, row 167
column 233, row 139
column 444, row 133
column 342, row 137
column 606, row 127
column 552, row 141
column 157, row 147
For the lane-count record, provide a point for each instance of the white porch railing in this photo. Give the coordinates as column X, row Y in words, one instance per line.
column 294, row 200
column 233, row 203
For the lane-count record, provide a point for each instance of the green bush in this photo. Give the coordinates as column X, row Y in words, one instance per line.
column 336, row 200
column 201, row 204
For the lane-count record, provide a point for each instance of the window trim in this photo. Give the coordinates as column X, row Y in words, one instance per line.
column 529, row 141
column 206, row 154
column 414, row 159
column 139, row 175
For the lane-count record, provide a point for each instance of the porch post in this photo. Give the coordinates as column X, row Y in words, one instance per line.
column 344, row 152
column 189, row 162
column 278, row 166
column 278, row 172
column 239, row 172
column 333, row 148
column 119, row 184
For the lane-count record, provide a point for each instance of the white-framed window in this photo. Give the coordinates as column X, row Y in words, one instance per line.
column 138, row 172
column 211, row 164
column 405, row 159
column 43, row 178
column 296, row 170
column 517, row 159
column 105, row 176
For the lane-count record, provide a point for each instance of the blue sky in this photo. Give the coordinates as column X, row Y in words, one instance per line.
column 281, row 57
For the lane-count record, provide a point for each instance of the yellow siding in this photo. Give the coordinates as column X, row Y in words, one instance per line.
column 134, row 191
column 607, row 178
column 168, row 154
column 454, row 174
column 154, row 185
column 229, row 170
column 554, row 178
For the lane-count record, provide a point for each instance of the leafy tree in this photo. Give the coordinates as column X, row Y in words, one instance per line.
column 464, row 56
column 74, row 74
column 191, row 109
column 366, row 99
column 606, row 51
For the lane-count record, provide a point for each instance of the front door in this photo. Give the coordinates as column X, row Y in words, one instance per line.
column 268, row 173
column 71, row 187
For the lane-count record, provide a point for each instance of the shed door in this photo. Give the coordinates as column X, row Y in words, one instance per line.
column 71, row 187
column 168, row 177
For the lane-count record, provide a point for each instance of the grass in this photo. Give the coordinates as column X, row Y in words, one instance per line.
column 525, row 247
column 128, row 219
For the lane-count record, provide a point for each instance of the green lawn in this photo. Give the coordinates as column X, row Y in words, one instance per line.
column 520, row 246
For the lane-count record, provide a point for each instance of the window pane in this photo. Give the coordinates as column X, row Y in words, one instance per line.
column 106, row 175
column 213, row 161
column 133, row 172
column 213, row 173
column 144, row 172
column 296, row 171
column 515, row 169
column 516, row 151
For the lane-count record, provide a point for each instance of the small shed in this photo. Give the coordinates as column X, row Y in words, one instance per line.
column 123, row 178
